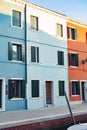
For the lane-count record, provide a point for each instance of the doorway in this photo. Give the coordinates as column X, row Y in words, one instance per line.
column 84, row 91
column 48, row 92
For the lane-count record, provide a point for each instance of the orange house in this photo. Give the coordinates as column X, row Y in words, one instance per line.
column 77, row 60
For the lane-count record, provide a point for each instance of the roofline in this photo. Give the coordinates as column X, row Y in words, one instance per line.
column 40, row 8
column 76, row 22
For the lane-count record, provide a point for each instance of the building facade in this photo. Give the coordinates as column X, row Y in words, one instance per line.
column 77, row 61
column 47, row 63
column 42, row 55
column 12, row 56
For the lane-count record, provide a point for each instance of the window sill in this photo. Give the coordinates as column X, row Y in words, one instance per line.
column 74, row 95
column 33, row 30
column 16, row 61
column 58, row 37
column 34, row 62
column 72, row 39
column 74, row 66
column 16, row 98
column 37, row 98
column 16, row 27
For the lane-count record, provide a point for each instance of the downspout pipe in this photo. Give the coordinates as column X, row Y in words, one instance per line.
column 25, row 15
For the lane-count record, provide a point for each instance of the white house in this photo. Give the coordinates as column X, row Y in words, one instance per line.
column 47, row 64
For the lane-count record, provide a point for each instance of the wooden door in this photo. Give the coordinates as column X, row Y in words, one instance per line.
column 48, row 92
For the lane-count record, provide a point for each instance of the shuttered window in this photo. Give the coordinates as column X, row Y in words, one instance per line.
column 60, row 58
column 35, row 88
column 61, row 88
column 16, row 89
column 75, row 88
column 34, row 22
column 71, row 33
column 16, row 18
column 16, row 52
column 34, row 54
column 59, row 30
column 74, row 59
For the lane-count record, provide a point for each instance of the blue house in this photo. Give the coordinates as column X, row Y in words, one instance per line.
column 12, row 56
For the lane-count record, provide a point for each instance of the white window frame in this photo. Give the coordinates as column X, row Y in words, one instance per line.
column 71, row 86
column 70, row 59
column 12, row 18
column 14, row 98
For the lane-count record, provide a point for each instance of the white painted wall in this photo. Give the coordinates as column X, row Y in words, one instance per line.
column 47, row 69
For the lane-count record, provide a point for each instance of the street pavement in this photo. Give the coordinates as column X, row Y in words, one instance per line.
column 14, row 118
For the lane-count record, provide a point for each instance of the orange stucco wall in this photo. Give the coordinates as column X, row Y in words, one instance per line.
column 78, row 46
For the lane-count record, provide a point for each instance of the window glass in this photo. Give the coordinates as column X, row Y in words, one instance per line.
column 60, row 58
column 16, row 52
column 16, row 18
column 74, row 59
column 72, row 33
column 34, row 54
column 16, row 89
column 34, row 22
column 75, row 88
column 59, row 30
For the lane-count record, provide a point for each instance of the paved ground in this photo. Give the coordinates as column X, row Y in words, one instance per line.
column 14, row 118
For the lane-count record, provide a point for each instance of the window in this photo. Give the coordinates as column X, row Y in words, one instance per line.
column 16, row 18
column 60, row 58
column 34, row 54
column 59, row 30
column 61, row 88
column 74, row 59
column 35, row 88
column 72, row 33
column 16, row 52
column 16, row 89
column 34, row 22
column 75, row 88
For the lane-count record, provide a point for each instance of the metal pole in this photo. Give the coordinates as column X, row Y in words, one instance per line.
column 70, row 109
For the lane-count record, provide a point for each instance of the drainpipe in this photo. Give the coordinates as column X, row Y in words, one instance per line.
column 25, row 13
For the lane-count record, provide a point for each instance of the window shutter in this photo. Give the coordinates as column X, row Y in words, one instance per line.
column 10, row 89
column 68, row 35
column 22, row 52
column 76, row 60
column 60, row 58
column 75, row 34
column 69, row 59
column 33, row 58
column 23, row 89
column 10, row 51
column 37, row 54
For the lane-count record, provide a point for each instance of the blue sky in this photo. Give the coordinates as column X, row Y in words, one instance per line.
column 76, row 9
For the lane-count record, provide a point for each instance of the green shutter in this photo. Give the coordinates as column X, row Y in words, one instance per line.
column 37, row 54
column 33, row 57
column 35, row 88
column 10, row 89
column 10, row 51
column 23, row 89
column 76, row 60
column 22, row 52
column 60, row 58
